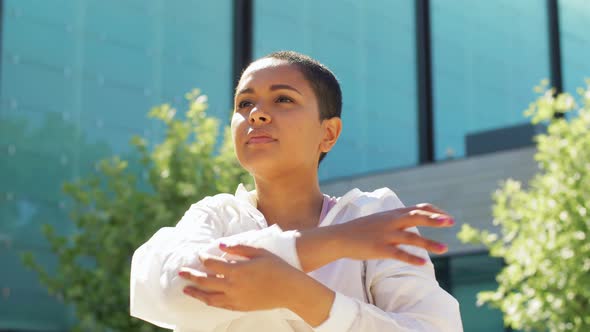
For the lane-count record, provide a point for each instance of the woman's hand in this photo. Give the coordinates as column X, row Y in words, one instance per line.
column 264, row 281
column 375, row 236
column 378, row 236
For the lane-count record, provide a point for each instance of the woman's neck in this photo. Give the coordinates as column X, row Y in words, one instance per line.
column 290, row 202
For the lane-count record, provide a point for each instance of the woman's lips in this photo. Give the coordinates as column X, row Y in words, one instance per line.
column 260, row 140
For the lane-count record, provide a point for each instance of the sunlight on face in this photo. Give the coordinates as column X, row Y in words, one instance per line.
column 275, row 126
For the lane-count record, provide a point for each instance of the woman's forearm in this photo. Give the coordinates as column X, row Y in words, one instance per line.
column 318, row 247
column 311, row 300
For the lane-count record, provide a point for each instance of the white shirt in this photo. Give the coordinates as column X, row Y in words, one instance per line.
column 373, row 295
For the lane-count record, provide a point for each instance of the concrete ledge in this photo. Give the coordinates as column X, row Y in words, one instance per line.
column 461, row 187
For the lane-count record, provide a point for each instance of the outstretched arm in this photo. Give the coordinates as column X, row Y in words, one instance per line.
column 376, row 236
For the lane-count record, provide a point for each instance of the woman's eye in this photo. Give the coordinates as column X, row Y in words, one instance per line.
column 283, row 99
column 244, row 103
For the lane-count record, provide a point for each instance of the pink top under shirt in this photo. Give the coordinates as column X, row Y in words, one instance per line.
column 327, row 205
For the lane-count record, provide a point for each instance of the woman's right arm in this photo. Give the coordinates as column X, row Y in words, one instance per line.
column 156, row 292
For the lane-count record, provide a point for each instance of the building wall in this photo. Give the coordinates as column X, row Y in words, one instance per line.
column 574, row 18
column 486, row 57
column 377, row 73
column 77, row 80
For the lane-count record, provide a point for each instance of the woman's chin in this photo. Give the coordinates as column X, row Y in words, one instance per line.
column 264, row 167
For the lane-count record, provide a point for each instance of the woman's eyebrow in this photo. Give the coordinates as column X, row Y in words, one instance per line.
column 246, row 90
column 272, row 88
column 283, row 87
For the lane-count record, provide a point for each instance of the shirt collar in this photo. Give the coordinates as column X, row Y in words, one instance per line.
column 249, row 197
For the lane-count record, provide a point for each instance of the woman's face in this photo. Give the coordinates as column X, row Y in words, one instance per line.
column 275, row 125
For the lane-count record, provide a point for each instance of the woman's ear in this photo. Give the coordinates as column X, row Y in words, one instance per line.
column 332, row 129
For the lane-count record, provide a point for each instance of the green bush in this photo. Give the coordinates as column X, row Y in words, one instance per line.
column 115, row 211
column 544, row 228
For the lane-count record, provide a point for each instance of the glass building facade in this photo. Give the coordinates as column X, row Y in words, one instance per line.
column 77, row 79
column 486, row 57
column 376, row 71
column 574, row 18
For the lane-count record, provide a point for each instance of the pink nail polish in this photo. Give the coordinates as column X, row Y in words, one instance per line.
column 445, row 220
column 222, row 245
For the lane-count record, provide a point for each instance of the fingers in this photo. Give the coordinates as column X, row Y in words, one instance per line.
column 215, row 299
column 413, row 239
column 429, row 207
column 209, row 283
column 216, row 265
column 404, row 256
column 415, row 217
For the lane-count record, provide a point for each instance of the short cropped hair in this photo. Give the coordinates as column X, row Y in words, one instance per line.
column 322, row 81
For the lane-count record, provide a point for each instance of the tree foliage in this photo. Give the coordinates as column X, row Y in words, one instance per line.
column 116, row 210
column 544, row 228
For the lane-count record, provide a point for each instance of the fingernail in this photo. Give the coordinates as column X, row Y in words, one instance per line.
column 222, row 245
column 441, row 247
column 445, row 220
column 182, row 273
column 422, row 261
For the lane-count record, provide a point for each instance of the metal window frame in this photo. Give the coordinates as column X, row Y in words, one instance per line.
column 242, row 38
column 424, row 82
column 1, row 40
column 554, row 45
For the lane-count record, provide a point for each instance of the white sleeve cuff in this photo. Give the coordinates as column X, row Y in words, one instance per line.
column 343, row 313
column 280, row 243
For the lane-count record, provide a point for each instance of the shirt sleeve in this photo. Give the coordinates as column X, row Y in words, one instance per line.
column 404, row 297
column 156, row 290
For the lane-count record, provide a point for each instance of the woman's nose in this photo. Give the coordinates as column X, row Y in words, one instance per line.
column 258, row 116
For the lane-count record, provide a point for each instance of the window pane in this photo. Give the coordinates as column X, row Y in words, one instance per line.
column 470, row 275
column 574, row 21
column 487, row 56
column 77, row 81
column 370, row 47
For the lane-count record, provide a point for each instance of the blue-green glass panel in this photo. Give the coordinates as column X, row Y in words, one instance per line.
column 574, row 19
column 469, row 276
column 486, row 58
column 77, row 81
column 370, row 46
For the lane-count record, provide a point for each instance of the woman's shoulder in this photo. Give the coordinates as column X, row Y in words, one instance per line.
column 380, row 199
column 234, row 212
column 359, row 197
